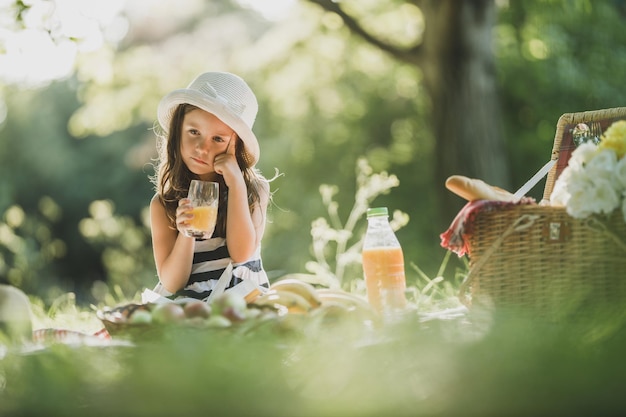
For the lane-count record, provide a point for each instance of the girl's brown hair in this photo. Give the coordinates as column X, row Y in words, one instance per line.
column 172, row 176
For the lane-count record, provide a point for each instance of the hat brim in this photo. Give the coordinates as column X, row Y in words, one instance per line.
column 171, row 101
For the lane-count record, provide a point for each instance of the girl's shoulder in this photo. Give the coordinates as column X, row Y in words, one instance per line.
column 157, row 202
column 156, row 198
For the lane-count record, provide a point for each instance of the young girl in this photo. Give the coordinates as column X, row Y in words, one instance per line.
column 207, row 134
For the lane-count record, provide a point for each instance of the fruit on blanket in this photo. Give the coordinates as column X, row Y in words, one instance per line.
column 303, row 289
column 140, row 316
column 218, row 321
column 332, row 310
column 288, row 307
column 252, row 313
column 168, row 313
column 334, row 315
column 230, row 305
column 197, row 308
column 342, row 297
column 252, row 295
column 351, row 301
column 294, row 303
column 199, row 322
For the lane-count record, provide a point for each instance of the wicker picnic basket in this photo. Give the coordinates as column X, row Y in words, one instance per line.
column 537, row 258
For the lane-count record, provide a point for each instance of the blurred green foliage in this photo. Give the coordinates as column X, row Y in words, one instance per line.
column 53, row 179
column 76, row 154
column 477, row 365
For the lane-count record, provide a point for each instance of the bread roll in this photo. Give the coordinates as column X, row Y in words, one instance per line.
column 473, row 189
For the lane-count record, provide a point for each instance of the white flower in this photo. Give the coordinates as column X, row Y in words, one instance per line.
column 605, row 198
column 579, row 203
column 582, row 155
column 560, row 195
column 592, row 196
column 602, row 164
column 619, row 174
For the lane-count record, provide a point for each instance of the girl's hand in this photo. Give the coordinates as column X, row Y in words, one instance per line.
column 226, row 164
column 183, row 214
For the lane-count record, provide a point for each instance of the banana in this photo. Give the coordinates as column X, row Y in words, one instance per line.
column 351, row 301
column 331, row 309
column 303, row 289
column 294, row 303
column 252, row 295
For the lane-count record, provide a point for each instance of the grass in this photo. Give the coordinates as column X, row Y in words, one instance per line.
column 482, row 364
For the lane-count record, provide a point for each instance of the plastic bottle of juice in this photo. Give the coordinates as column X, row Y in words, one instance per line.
column 383, row 263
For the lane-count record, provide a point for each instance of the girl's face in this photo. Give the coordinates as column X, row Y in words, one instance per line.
column 203, row 136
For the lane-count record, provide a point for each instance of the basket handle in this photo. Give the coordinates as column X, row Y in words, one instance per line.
column 522, row 223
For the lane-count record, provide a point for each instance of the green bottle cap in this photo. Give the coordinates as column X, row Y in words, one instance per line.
column 377, row 211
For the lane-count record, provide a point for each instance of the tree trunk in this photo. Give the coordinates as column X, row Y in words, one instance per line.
column 457, row 60
column 459, row 74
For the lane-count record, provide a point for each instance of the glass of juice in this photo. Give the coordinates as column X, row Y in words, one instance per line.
column 204, row 196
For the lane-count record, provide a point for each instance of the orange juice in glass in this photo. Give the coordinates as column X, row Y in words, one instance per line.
column 204, row 196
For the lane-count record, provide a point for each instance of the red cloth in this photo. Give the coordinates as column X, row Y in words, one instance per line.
column 102, row 333
column 51, row 335
column 457, row 236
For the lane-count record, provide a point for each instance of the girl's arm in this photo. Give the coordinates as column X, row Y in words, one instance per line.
column 244, row 229
column 173, row 251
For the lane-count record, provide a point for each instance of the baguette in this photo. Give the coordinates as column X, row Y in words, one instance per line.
column 473, row 189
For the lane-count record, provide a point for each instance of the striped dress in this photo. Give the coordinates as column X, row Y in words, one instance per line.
column 210, row 259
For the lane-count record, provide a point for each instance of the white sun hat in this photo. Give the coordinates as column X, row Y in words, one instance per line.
column 225, row 95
